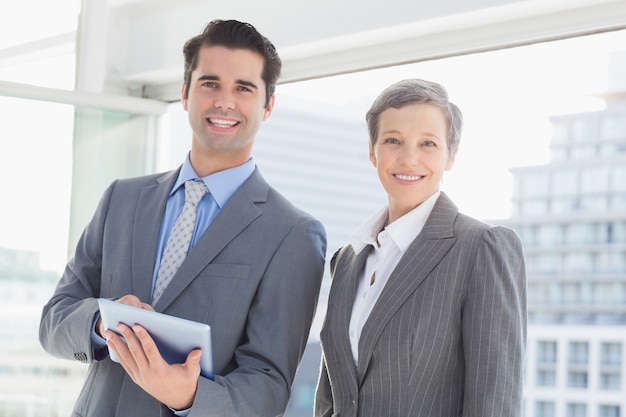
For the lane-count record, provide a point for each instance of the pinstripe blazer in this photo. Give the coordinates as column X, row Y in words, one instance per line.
column 447, row 335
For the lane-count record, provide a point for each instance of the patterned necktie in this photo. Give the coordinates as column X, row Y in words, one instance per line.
column 180, row 238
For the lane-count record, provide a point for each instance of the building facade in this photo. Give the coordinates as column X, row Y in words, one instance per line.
column 571, row 217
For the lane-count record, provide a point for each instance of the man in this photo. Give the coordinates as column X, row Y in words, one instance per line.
column 253, row 270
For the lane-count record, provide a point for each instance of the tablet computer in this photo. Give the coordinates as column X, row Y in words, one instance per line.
column 175, row 337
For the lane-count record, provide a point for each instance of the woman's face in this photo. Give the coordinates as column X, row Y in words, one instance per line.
column 411, row 154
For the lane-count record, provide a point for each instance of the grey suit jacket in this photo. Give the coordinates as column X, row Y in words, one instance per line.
column 254, row 277
column 447, row 335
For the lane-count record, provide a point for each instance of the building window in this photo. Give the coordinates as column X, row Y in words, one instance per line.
column 564, row 182
column 611, row 353
column 610, row 380
column 534, row 207
column 562, row 205
column 533, row 185
column 580, row 130
column 546, row 378
column 583, row 151
column 618, row 178
column 578, row 262
column 577, row 233
column 576, row 410
column 545, row 264
column 603, row 292
column 594, row 179
column 544, row 409
column 612, row 127
column 593, row 203
column 571, row 293
column 550, row 234
column 577, row 379
column 609, row 411
column 546, row 352
column 578, row 353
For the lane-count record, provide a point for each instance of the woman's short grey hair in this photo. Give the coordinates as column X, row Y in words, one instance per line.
column 413, row 91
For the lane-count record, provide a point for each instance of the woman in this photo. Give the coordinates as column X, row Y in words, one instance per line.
column 427, row 310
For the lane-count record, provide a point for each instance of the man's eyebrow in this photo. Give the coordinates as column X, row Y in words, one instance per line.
column 248, row 84
column 216, row 78
column 208, row 78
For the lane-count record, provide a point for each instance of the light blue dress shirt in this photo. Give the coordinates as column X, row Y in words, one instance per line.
column 222, row 185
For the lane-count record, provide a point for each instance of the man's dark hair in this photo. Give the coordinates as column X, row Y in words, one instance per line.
column 233, row 34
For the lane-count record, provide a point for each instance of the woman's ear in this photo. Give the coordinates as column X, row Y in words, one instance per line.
column 372, row 158
column 451, row 160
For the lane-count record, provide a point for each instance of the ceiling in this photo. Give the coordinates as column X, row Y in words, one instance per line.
column 327, row 37
column 132, row 48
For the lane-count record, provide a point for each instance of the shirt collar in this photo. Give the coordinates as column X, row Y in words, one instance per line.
column 403, row 231
column 222, row 185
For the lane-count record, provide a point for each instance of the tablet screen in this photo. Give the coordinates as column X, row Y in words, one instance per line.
column 175, row 337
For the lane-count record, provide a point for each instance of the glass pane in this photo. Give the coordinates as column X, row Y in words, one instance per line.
column 31, row 20
column 67, row 155
column 35, row 172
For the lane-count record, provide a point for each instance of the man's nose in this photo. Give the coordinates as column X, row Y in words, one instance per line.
column 225, row 102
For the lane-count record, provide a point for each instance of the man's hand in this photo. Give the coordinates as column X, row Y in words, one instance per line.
column 129, row 299
column 173, row 385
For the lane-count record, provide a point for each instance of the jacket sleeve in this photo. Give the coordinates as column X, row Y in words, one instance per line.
column 494, row 327
column 67, row 319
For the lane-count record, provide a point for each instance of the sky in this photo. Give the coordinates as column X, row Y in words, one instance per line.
column 507, row 98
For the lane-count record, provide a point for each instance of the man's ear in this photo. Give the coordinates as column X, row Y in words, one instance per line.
column 269, row 108
column 183, row 96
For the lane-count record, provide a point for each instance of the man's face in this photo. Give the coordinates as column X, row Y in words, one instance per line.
column 226, row 104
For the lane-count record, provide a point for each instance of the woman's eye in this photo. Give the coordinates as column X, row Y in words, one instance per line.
column 392, row 140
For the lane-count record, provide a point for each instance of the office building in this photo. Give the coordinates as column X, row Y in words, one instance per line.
column 571, row 217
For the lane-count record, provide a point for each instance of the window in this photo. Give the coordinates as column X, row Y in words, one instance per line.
column 611, row 353
column 593, row 180
column 577, row 379
column 564, row 182
column 612, row 127
column 546, row 378
column 544, row 409
column 609, row 411
column 579, row 233
column 546, row 352
column 578, row 353
column 610, row 380
column 578, row 262
column 504, row 124
column 576, row 410
column 618, row 178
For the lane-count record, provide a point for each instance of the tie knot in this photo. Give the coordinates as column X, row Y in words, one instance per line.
column 194, row 190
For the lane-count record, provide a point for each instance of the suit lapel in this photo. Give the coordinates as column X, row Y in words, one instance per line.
column 420, row 258
column 235, row 216
column 148, row 217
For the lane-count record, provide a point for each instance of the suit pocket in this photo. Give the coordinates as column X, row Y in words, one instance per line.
column 218, row 289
